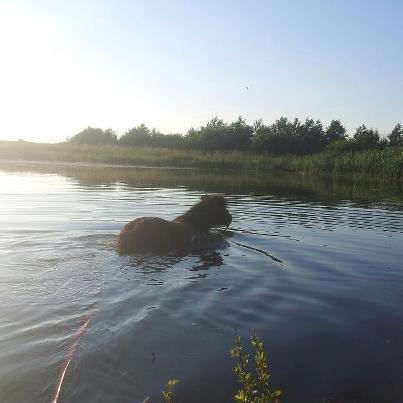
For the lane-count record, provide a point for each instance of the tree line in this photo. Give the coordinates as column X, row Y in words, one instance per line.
column 281, row 137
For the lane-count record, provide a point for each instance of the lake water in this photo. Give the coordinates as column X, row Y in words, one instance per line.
column 313, row 264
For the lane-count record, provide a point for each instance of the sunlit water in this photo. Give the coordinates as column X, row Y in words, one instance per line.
column 320, row 279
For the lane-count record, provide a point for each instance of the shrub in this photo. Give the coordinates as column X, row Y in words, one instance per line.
column 168, row 394
column 255, row 385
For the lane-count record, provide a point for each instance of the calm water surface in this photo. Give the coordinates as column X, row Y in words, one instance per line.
column 315, row 267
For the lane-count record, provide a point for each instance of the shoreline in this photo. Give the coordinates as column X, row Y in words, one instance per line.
column 85, row 164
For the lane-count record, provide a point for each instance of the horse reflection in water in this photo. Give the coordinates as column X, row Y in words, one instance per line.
column 206, row 253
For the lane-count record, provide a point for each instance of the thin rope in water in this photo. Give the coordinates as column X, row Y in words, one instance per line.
column 263, row 252
column 70, row 354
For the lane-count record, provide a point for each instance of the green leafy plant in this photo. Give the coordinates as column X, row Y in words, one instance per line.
column 168, row 394
column 255, row 384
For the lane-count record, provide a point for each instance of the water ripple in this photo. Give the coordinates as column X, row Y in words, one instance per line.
column 320, row 281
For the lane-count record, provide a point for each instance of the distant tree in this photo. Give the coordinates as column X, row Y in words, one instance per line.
column 211, row 137
column 257, row 126
column 335, row 132
column 260, row 139
column 136, row 136
column 396, row 136
column 213, row 134
column 311, row 137
column 278, row 138
column 92, row 135
column 141, row 136
column 366, row 138
column 111, row 134
column 165, row 140
column 260, row 132
column 192, row 139
column 239, row 135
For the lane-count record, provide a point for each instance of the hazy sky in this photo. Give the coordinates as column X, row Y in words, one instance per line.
column 175, row 64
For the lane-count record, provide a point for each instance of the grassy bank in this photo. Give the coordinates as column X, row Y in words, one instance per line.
column 387, row 163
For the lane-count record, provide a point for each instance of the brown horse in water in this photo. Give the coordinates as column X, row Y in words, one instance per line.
column 156, row 235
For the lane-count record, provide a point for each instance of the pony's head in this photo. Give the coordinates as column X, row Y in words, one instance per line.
column 210, row 212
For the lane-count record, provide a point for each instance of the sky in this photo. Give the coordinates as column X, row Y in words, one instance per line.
column 66, row 65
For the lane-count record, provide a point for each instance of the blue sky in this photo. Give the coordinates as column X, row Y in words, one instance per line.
column 175, row 64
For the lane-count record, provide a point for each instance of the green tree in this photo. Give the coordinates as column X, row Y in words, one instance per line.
column 136, row 136
column 335, row 132
column 260, row 135
column 311, row 137
column 396, row 136
column 278, row 138
column 210, row 137
column 192, row 139
column 213, row 134
column 239, row 135
column 366, row 138
column 94, row 135
column 165, row 140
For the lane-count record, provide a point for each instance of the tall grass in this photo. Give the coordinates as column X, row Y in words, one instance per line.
column 386, row 163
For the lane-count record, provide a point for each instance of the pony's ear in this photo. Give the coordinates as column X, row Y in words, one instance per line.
column 204, row 197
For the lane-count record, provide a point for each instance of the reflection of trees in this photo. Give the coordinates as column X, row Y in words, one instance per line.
column 258, row 185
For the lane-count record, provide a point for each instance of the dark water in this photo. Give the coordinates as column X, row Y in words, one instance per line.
column 314, row 265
